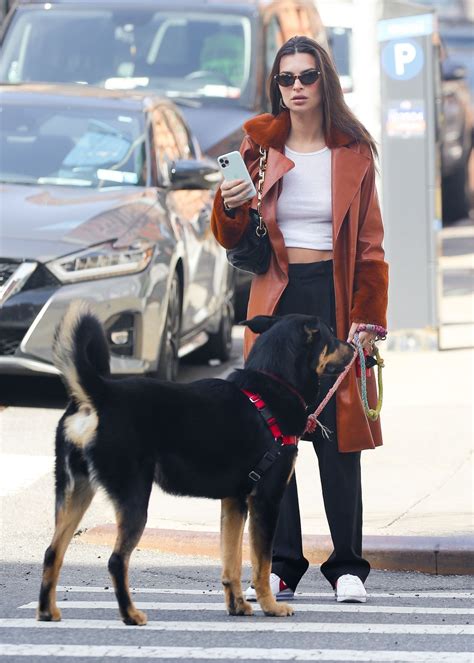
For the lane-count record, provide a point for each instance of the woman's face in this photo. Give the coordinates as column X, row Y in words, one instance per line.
column 300, row 98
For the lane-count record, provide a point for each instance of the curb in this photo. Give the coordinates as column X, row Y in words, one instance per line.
column 440, row 555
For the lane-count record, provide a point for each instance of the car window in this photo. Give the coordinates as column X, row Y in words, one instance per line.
column 45, row 144
column 273, row 41
column 166, row 145
column 340, row 43
column 204, row 55
column 181, row 134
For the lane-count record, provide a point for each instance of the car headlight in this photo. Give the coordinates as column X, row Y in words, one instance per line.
column 102, row 261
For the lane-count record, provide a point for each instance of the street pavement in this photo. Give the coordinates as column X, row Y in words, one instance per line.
column 417, row 516
column 410, row 617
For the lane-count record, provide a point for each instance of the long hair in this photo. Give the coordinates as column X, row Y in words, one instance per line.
column 336, row 113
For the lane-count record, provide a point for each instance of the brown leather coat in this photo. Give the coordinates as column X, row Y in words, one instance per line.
column 360, row 272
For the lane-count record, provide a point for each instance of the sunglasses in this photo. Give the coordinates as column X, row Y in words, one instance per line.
column 306, row 78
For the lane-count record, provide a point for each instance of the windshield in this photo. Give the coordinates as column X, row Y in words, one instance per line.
column 96, row 148
column 196, row 55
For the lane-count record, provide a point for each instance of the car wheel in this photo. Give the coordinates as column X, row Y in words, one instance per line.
column 456, row 195
column 168, row 362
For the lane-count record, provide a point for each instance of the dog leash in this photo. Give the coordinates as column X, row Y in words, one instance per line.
column 372, row 414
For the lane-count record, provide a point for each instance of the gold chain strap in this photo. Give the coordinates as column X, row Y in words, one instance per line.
column 261, row 229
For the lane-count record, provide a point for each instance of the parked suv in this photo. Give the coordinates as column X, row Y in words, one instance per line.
column 213, row 58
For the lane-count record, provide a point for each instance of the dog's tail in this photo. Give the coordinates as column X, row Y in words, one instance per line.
column 81, row 353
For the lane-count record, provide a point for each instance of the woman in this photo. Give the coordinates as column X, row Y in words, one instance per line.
column 321, row 210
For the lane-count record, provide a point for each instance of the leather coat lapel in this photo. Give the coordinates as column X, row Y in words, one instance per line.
column 277, row 165
column 348, row 168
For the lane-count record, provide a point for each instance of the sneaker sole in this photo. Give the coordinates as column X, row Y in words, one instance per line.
column 351, row 599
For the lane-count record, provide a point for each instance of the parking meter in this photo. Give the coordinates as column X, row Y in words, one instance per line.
column 411, row 194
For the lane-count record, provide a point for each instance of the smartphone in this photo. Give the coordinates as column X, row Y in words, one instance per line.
column 233, row 167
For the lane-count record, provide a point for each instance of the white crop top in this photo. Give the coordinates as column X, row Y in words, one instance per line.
column 304, row 207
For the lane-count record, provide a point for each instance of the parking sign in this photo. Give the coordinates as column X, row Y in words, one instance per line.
column 402, row 59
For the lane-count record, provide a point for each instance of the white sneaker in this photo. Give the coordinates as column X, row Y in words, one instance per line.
column 279, row 588
column 350, row 589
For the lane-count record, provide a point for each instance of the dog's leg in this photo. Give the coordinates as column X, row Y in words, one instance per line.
column 69, row 513
column 131, row 521
column 263, row 520
column 233, row 516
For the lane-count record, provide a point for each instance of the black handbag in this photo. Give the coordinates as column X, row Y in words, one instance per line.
column 253, row 252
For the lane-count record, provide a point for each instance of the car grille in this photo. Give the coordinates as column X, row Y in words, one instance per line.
column 40, row 278
column 6, row 270
column 10, row 339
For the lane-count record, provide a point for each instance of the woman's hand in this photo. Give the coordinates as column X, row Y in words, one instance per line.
column 366, row 338
column 235, row 192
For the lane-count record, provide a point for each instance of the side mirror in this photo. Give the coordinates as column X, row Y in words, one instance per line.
column 194, row 174
column 452, row 70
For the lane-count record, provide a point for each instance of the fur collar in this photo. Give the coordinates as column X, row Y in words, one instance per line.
column 270, row 130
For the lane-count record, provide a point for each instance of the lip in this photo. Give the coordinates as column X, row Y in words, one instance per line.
column 298, row 98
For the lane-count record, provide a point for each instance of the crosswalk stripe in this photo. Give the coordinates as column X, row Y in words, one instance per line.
column 300, row 607
column 231, row 653
column 233, row 626
column 84, row 589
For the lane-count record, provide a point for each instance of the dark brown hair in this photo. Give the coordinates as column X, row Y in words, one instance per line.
column 336, row 113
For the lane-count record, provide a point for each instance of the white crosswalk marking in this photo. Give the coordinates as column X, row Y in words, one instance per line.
column 234, row 626
column 232, row 653
column 218, row 592
column 359, row 633
column 301, row 607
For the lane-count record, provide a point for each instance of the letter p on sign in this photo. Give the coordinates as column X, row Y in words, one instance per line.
column 404, row 54
column 402, row 59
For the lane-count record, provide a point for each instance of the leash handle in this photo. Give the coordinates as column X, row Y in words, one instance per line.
column 372, row 414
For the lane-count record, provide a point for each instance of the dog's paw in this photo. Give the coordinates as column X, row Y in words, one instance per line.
column 242, row 608
column 53, row 615
column 278, row 610
column 135, row 618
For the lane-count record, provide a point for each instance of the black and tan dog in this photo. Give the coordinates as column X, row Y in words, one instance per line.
column 204, row 439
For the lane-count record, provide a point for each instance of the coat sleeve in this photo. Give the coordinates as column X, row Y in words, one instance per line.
column 229, row 226
column 370, row 294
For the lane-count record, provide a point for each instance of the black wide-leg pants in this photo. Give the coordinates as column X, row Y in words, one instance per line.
column 311, row 291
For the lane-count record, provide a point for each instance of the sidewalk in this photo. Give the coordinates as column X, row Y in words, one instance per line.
column 418, row 487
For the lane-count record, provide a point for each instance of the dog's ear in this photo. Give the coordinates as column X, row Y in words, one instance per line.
column 311, row 333
column 260, row 323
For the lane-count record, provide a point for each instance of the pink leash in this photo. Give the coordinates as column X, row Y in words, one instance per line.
column 313, row 421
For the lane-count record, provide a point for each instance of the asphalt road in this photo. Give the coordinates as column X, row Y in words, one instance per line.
column 409, row 617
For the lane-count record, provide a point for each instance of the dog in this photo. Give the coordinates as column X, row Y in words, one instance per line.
column 204, row 439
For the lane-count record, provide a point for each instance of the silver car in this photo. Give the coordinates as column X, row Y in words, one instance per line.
column 106, row 197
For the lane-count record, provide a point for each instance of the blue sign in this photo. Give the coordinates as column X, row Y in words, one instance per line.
column 405, row 26
column 402, row 59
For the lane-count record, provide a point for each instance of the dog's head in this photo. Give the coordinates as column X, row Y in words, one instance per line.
column 300, row 348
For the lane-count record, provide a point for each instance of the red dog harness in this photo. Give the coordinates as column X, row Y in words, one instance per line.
column 270, row 420
column 280, row 440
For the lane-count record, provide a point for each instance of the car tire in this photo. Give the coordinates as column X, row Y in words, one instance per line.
column 456, row 195
column 168, row 361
